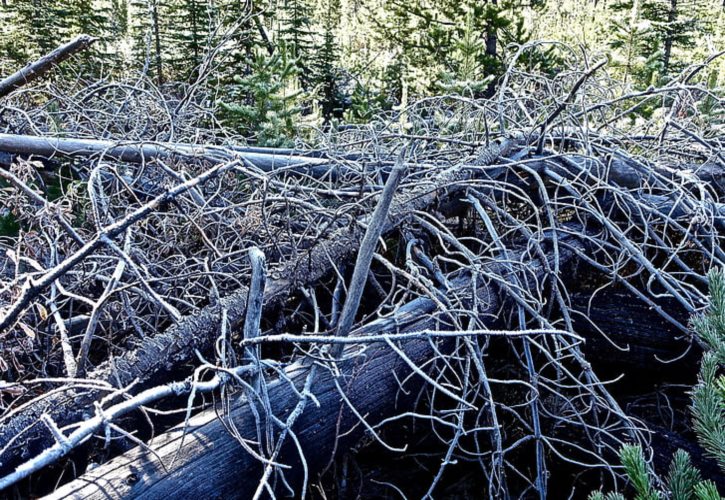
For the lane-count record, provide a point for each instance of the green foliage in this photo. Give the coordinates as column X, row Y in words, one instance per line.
column 266, row 109
column 648, row 32
column 598, row 495
column 192, row 22
column 708, row 397
column 150, row 36
column 449, row 40
column 706, row 490
column 297, row 33
column 637, row 49
column 711, row 109
column 236, row 56
column 365, row 104
column 30, row 29
column 683, row 477
column 635, row 466
column 326, row 76
column 119, row 18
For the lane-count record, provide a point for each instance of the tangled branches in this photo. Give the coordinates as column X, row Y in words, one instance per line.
column 474, row 222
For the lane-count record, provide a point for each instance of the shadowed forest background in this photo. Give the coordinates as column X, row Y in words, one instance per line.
column 300, row 63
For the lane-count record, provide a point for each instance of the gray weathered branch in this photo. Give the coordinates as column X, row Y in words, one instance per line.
column 36, row 69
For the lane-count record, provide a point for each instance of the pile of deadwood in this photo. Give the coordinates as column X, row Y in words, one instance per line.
column 496, row 289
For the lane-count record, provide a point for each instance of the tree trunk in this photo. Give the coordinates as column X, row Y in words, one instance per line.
column 152, row 361
column 669, row 36
column 157, row 41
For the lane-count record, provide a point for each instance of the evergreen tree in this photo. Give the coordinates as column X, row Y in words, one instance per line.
column 36, row 28
column 296, row 31
column 708, row 396
column 261, row 105
column 454, row 41
column 238, row 53
column 32, row 28
column 119, row 19
column 637, row 49
column 191, row 23
column 92, row 18
column 149, row 36
column 325, row 69
column 676, row 23
column 647, row 32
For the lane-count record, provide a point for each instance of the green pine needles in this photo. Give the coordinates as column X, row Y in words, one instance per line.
column 708, row 396
column 684, row 481
column 267, row 102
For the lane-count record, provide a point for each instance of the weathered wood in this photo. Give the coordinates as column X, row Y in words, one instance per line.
column 138, row 152
column 212, row 464
column 624, row 332
column 371, row 382
column 666, row 442
column 155, row 357
column 36, row 69
column 371, row 385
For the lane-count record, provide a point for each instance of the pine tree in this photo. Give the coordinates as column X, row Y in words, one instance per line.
column 150, row 36
column 296, row 31
column 191, row 23
column 454, row 41
column 238, row 53
column 261, row 105
column 119, row 19
column 675, row 23
column 637, row 49
column 708, row 396
column 325, row 66
column 647, row 33
column 36, row 28
column 32, row 28
column 89, row 17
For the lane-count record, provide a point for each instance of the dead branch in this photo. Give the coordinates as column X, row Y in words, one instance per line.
column 371, row 385
column 50, row 147
column 197, row 332
column 37, row 69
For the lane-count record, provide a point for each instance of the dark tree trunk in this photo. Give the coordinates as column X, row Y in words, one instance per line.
column 157, row 41
column 671, row 17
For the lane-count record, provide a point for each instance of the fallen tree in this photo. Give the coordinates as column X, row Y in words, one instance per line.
column 370, row 380
column 178, row 344
column 502, row 248
column 50, row 147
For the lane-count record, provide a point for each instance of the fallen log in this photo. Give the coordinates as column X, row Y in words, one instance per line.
column 135, row 152
column 207, row 445
column 373, row 391
column 35, row 70
column 372, row 385
column 623, row 332
column 21, row 434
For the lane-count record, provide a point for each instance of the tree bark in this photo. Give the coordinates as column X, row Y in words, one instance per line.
column 371, row 382
column 50, row 147
column 157, row 41
column 156, row 356
column 322, row 430
column 669, row 36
